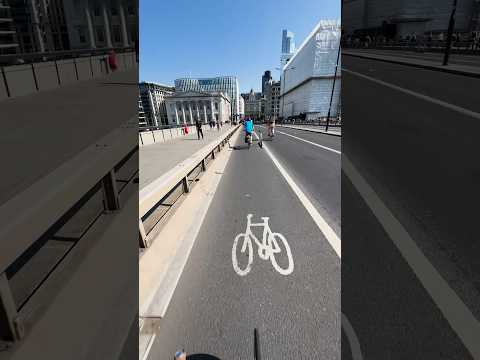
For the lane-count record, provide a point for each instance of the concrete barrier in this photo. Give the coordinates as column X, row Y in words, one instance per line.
column 20, row 80
column 147, row 138
column 83, row 68
column 66, row 71
column 46, row 75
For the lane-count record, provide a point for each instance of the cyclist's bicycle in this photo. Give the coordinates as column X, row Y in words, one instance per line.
column 271, row 245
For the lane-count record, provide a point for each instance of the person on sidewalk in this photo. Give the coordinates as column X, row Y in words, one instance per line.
column 218, row 125
column 198, row 124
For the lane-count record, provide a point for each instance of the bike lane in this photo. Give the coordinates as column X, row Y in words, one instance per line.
column 214, row 310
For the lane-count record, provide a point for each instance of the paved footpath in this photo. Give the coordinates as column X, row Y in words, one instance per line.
column 61, row 123
column 156, row 159
column 426, row 62
column 337, row 131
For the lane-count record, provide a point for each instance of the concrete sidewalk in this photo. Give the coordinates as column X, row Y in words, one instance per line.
column 316, row 128
column 156, row 159
column 465, row 70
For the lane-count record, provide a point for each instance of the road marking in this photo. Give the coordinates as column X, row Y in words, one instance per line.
column 456, row 108
column 311, row 143
column 352, row 338
column 267, row 248
column 458, row 315
column 326, row 230
column 149, row 347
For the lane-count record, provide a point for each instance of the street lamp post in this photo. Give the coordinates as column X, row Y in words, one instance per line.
column 333, row 88
column 451, row 26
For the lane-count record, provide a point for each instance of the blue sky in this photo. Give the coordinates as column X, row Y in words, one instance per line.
column 204, row 38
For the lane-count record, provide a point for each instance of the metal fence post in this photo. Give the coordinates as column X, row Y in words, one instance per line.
column 5, row 81
column 34, row 76
column 186, row 187
column 110, row 192
column 10, row 328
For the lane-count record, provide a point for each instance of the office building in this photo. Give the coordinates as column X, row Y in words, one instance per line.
column 272, row 99
column 153, row 98
column 241, row 106
column 59, row 25
column 288, row 47
column 225, row 84
column 8, row 34
column 266, row 77
column 309, row 77
column 187, row 107
column 254, row 105
column 401, row 18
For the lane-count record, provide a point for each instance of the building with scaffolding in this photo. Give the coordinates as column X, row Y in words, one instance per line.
column 310, row 81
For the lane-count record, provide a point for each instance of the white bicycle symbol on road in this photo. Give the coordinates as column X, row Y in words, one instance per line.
column 271, row 244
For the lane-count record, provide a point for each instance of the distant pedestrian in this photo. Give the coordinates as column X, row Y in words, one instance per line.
column 218, row 125
column 198, row 124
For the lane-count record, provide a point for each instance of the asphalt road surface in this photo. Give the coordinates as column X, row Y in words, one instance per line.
column 413, row 136
column 215, row 310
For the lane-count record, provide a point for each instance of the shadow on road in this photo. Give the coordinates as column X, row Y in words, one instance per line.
column 202, row 357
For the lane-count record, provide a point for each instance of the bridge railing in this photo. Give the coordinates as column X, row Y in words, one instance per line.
column 45, row 71
column 158, row 199
column 41, row 227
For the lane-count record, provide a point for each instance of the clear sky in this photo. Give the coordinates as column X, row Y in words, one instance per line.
column 206, row 38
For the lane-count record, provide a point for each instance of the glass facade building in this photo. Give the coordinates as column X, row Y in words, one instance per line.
column 225, row 84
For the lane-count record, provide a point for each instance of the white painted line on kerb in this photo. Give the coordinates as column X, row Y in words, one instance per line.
column 458, row 315
column 456, row 108
column 327, row 231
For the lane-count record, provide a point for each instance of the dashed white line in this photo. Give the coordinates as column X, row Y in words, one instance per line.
column 456, row 108
column 458, row 315
column 327, row 231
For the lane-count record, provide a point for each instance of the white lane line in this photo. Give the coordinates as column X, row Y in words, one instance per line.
column 458, row 315
column 327, row 231
column 352, row 338
column 149, row 347
column 456, row 108
column 310, row 142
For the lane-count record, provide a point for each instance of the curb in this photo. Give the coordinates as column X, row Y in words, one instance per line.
column 312, row 130
column 427, row 67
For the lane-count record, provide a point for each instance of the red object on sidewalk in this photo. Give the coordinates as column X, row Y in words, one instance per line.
column 185, row 130
column 112, row 61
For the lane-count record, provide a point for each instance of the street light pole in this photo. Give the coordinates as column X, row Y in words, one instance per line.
column 333, row 88
column 451, row 26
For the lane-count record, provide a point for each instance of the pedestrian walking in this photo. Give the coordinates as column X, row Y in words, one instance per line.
column 218, row 125
column 198, row 124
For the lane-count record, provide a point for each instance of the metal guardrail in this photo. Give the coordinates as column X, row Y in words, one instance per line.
column 158, row 199
column 28, row 58
column 79, row 187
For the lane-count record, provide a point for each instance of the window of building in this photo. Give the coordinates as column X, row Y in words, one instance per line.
column 113, row 9
column 117, row 37
column 216, row 106
column 100, row 34
column 81, row 34
column 96, row 9
column 130, row 8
